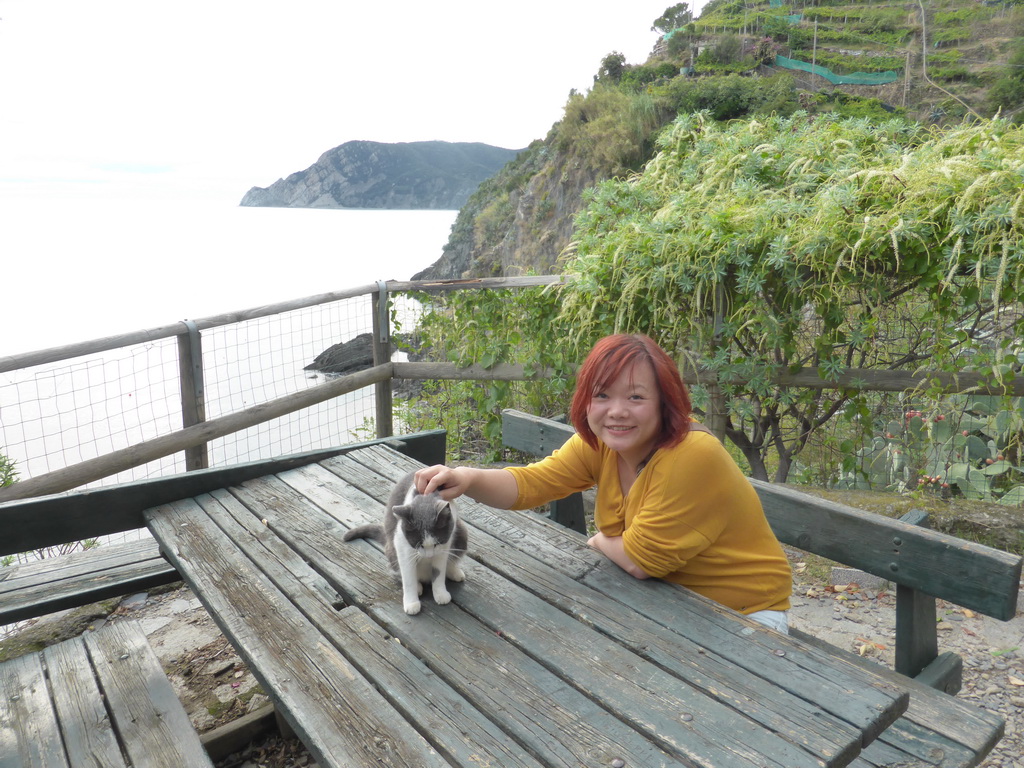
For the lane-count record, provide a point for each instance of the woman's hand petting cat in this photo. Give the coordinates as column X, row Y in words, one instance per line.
column 449, row 482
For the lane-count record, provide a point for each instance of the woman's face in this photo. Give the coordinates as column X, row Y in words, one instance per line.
column 626, row 414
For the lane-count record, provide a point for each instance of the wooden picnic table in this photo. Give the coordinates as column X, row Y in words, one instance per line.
column 548, row 654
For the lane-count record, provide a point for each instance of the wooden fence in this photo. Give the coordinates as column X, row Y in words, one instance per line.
column 198, row 431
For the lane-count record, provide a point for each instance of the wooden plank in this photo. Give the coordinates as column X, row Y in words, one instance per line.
column 54, row 583
column 52, row 520
column 340, row 717
column 89, row 736
column 703, row 670
column 547, row 716
column 530, row 434
column 908, row 744
column 945, row 673
column 463, row 734
column 153, row 726
column 963, row 572
column 477, row 283
column 29, row 733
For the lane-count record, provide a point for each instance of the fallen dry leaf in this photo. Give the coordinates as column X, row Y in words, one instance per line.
column 1016, row 680
column 969, row 613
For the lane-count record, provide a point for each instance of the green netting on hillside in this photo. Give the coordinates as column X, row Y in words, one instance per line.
column 856, row 78
column 793, row 18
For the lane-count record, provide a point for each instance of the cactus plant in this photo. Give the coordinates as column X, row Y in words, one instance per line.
column 970, row 449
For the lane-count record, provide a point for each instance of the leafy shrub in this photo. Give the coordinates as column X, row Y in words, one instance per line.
column 1008, row 93
column 637, row 77
column 487, row 328
column 610, row 127
column 848, row 105
column 8, row 472
column 729, row 97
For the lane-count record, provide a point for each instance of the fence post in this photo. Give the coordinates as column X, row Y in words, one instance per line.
column 382, row 355
column 193, row 399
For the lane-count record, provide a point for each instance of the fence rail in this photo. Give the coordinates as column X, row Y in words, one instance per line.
column 198, row 429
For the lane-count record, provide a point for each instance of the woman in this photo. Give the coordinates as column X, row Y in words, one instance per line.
column 671, row 502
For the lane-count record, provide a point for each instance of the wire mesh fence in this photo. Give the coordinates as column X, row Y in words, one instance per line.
column 57, row 414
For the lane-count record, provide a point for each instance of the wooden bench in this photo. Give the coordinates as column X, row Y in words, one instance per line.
column 923, row 564
column 37, row 588
column 97, row 700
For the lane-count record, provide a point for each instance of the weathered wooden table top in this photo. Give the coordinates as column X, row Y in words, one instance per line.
column 548, row 654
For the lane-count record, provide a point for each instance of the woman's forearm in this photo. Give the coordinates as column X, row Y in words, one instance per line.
column 614, row 549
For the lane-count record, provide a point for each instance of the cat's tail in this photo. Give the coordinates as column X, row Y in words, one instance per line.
column 375, row 532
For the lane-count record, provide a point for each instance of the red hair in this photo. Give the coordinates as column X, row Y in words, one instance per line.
column 610, row 357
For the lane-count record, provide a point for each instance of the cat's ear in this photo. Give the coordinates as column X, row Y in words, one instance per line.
column 444, row 514
column 403, row 511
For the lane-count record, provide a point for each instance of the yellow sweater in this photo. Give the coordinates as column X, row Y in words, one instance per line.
column 691, row 517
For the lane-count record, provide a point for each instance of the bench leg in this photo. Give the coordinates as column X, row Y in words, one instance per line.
column 569, row 512
column 945, row 674
column 917, row 641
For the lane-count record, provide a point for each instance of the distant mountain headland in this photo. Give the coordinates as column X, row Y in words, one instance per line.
column 437, row 175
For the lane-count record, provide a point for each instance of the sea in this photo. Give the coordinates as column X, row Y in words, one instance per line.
column 81, row 268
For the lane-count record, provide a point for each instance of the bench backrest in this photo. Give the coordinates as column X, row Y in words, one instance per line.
column 971, row 575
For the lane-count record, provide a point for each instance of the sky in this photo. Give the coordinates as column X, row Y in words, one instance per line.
column 211, row 97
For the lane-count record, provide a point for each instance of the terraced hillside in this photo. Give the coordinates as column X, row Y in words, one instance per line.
column 949, row 58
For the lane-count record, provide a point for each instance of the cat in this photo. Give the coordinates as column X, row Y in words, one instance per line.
column 423, row 539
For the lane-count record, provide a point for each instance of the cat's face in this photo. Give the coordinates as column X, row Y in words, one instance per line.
column 426, row 522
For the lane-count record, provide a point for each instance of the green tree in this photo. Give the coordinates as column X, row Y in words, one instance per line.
column 764, row 246
column 612, row 67
column 673, row 18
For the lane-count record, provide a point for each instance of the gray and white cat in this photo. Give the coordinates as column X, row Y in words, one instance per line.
column 423, row 539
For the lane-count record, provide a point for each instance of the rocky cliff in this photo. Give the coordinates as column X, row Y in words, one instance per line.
column 437, row 175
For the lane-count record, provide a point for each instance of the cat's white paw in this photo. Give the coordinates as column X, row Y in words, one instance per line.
column 413, row 608
column 456, row 574
column 419, row 588
column 442, row 596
